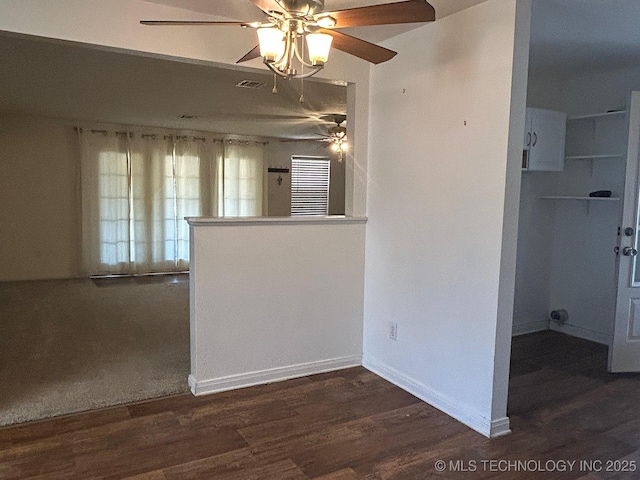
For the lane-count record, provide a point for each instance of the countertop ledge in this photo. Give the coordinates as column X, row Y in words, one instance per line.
column 247, row 221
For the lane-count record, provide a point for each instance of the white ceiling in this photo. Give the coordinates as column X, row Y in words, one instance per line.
column 244, row 10
column 566, row 36
column 234, row 9
column 73, row 81
column 570, row 36
column 66, row 80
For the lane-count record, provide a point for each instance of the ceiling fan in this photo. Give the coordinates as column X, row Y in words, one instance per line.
column 335, row 138
column 290, row 22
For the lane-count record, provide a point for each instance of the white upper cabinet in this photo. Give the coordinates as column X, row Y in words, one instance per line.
column 544, row 140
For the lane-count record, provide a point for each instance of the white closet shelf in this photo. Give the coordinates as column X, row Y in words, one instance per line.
column 597, row 115
column 566, row 197
column 592, row 157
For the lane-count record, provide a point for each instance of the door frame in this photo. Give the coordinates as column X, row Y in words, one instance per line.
column 620, row 348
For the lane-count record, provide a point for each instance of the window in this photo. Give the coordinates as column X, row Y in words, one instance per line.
column 113, row 192
column 137, row 189
column 310, row 185
column 241, row 191
column 144, row 192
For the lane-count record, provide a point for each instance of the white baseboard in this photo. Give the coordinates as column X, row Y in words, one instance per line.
column 581, row 332
column 447, row 405
column 500, row 427
column 530, row 327
column 242, row 380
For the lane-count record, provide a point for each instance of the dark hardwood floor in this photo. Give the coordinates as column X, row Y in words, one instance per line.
column 351, row 424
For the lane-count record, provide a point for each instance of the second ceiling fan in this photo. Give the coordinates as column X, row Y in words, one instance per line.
column 335, row 137
column 299, row 34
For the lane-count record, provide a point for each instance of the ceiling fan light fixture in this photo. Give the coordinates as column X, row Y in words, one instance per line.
column 272, row 43
column 319, row 45
column 339, row 146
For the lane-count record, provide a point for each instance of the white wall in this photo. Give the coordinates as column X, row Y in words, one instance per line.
column 437, row 209
column 39, row 199
column 602, row 91
column 278, row 154
column 583, row 263
column 535, row 248
column 547, row 92
column 274, row 299
column 536, row 224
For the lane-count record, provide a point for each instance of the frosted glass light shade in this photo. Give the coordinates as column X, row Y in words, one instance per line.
column 271, row 43
column 319, row 47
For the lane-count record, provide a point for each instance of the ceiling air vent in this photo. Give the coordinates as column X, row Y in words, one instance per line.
column 188, row 117
column 250, row 84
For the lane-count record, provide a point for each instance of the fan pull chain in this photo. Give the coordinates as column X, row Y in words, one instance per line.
column 302, row 79
column 275, row 84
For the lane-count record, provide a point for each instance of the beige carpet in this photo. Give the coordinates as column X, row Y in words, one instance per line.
column 74, row 345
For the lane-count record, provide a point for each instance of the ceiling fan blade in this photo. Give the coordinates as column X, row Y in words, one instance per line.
column 254, row 53
column 410, row 11
column 197, row 23
column 360, row 48
column 268, row 5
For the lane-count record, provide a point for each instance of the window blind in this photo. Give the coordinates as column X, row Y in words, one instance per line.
column 310, row 185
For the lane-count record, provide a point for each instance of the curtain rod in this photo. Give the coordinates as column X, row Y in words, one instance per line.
column 153, row 136
column 231, row 141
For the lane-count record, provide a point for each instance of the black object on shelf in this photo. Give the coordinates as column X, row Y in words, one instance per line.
column 601, row 194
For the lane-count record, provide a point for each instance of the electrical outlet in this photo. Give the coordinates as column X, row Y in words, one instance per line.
column 393, row 331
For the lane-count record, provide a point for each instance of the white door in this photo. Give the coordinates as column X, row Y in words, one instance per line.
column 624, row 352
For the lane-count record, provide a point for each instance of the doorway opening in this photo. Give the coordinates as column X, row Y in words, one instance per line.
column 578, row 222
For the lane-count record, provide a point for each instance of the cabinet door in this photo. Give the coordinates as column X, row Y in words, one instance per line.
column 548, row 130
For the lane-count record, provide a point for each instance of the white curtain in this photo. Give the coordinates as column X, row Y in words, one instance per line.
column 136, row 191
column 152, row 197
column 243, row 172
column 105, row 203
